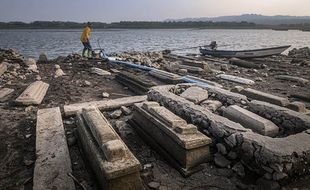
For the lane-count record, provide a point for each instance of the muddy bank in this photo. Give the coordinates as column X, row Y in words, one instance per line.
column 77, row 83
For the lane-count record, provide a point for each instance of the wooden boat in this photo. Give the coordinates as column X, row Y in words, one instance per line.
column 245, row 53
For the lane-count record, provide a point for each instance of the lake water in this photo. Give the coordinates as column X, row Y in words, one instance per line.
column 62, row 42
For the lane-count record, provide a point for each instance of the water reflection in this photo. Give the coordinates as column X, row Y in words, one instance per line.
column 63, row 42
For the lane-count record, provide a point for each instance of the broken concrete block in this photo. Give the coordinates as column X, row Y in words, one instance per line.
column 236, row 79
column 164, row 75
column 5, row 92
column 34, row 94
column 114, row 165
column 211, row 105
column 297, row 106
column 126, row 110
column 3, row 68
column 195, row 94
column 292, row 78
column 182, row 144
column 289, row 121
column 53, row 160
column 103, row 105
column 265, row 97
column 251, row 121
column 100, row 72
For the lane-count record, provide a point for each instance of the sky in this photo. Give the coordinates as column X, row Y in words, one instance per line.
column 143, row 10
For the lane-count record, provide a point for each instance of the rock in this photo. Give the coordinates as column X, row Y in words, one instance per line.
column 105, row 95
column 28, row 136
column 224, row 67
column 154, row 185
column 126, row 110
column 71, row 141
column 239, row 169
column 87, row 83
column 57, row 66
column 59, row 73
column 33, row 68
column 221, row 161
column 183, row 71
column 232, row 155
column 30, row 61
column 43, row 58
column 30, row 109
column 221, row 148
column 212, row 105
column 116, row 114
column 237, row 89
column 279, row 176
column 38, row 77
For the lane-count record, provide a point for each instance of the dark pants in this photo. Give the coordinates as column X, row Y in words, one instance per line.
column 88, row 47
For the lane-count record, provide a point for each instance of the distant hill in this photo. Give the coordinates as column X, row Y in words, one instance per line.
column 253, row 18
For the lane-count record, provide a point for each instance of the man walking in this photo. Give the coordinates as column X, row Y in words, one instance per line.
column 85, row 41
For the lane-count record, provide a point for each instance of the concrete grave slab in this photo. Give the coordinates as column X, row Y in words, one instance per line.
column 195, row 94
column 103, row 104
column 114, row 165
column 236, row 79
column 34, row 94
column 265, row 97
column 53, row 160
column 251, row 120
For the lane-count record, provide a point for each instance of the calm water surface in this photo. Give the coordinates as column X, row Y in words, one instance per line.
column 62, row 42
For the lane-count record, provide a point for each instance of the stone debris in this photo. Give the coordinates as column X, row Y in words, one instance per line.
column 292, row 78
column 103, row 105
column 262, row 96
column 34, row 94
column 163, row 75
column 99, row 71
column 87, row 83
column 126, row 110
column 59, row 72
column 288, row 120
column 5, row 92
column 115, row 114
column 150, row 59
column 3, row 68
column 251, row 121
column 236, row 79
column 53, row 160
column 183, row 71
column 154, row 185
column 182, row 144
column 115, row 167
column 105, row 95
column 30, row 61
column 302, row 53
column 243, row 63
column 211, row 105
column 195, row 94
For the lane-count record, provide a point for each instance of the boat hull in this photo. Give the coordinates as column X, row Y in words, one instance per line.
column 246, row 53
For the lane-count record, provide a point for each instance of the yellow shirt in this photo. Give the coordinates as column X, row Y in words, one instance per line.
column 86, row 34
